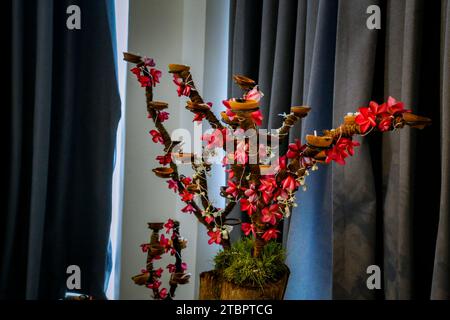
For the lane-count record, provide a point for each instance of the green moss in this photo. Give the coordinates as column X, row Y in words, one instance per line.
column 238, row 266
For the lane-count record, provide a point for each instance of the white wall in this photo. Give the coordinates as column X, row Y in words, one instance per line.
column 171, row 31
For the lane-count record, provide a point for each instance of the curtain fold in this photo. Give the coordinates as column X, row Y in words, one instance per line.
column 441, row 279
column 388, row 206
column 63, row 117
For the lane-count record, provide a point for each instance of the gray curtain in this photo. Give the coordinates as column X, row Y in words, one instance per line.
column 61, row 113
column 388, row 205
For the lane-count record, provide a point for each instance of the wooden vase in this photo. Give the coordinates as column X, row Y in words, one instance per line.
column 214, row 287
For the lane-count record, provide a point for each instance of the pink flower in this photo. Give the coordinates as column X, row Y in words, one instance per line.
column 215, row 139
column 251, row 193
column 395, row 107
column 148, row 61
column 163, row 116
column 169, row 225
column 188, row 209
column 290, row 184
column 270, row 234
column 156, row 136
column 158, row 272
column 164, row 160
column 173, row 185
column 215, row 236
column 154, row 285
column 257, row 117
column 163, row 293
column 271, row 214
column 241, row 154
column 247, row 228
column 254, row 94
column 184, row 266
column 247, row 206
column 171, row 268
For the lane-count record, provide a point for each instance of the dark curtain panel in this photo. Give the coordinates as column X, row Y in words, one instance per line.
column 389, row 204
column 62, row 112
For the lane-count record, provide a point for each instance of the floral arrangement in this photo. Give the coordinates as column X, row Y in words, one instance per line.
column 262, row 182
column 159, row 245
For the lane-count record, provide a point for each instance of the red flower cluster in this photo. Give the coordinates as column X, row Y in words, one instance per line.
column 147, row 77
column 183, row 89
column 341, row 150
column 380, row 116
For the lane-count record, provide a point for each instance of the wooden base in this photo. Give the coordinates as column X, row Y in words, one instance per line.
column 214, row 287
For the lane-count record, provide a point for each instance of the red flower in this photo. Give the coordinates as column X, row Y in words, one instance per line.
column 163, row 116
column 257, row 117
column 154, row 285
column 136, row 71
column 145, row 81
column 251, row 193
column 295, row 149
column 145, row 247
column 171, row 268
column 186, row 196
column 385, row 124
column 230, row 173
column 199, row 117
column 158, row 272
column 184, row 266
column 173, row 185
column 169, row 225
column 267, row 186
column 232, row 189
column 155, row 74
column 156, row 136
column 342, row 149
column 163, row 293
column 164, row 160
column 289, row 184
column 247, row 228
column 270, row 234
column 247, row 206
column 281, row 163
column 271, row 214
column 215, row 236
column 186, row 180
column 182, row 88
column 188, row 209
column 365, row 119
column 209, row 218
column 165, row 242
